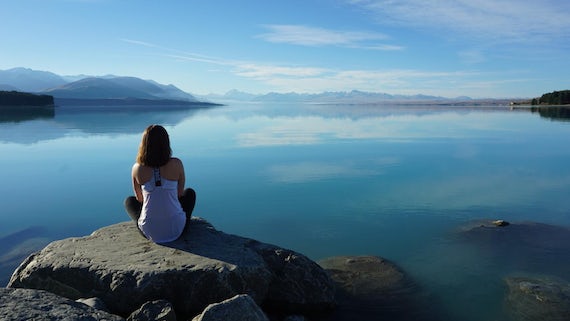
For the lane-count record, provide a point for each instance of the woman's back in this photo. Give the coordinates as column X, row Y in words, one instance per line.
column 162, row 218
column 161, row 206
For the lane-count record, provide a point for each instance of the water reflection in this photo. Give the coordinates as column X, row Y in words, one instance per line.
column 298, row 122
column 14, row 248
column 17, row 114
column 553, row 113
column 123, row 120
column 29, row 125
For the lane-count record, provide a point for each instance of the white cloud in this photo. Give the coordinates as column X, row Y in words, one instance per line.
column 252, row 70
column 505, row 20
column 313, row 36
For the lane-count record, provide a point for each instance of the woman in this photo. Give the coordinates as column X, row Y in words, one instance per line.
column 161, row 206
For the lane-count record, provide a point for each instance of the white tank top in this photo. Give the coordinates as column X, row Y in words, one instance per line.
column 162, row 217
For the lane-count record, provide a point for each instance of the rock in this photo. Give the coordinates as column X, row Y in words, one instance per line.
column 372, row 288
column 95, row 303
column 500, row 223
column 538, row 298
column 239, row 308
column 158, row 310
column 203, row 266
column 38, row 305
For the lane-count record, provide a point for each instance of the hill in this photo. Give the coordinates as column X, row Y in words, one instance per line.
column 28, row 80
column 118, row 88
column 107, row 87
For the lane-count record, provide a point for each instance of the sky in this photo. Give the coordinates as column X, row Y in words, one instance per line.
column 480, row 49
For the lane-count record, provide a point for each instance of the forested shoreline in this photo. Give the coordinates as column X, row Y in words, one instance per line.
column 561, row 97
column 16, row 98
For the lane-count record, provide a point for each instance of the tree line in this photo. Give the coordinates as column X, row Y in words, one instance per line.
column 16, row 98
column 554, row 98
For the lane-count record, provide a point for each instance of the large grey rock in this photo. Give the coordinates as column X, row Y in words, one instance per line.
column 38, row 305
column 239, row 308
column 373, row 288
column 538, row 298
column 203, row 266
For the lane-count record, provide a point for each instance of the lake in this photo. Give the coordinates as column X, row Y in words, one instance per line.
column 393, row 181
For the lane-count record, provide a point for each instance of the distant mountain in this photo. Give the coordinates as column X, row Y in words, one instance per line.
column 89, row 87
column 172, row 92
column 118, row 88
column 95, row 88
column 8, row 88
column 28, row 80
column 355, row 96
column 232, row 95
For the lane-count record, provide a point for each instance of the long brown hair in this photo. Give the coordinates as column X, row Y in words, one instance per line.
column 154, row 150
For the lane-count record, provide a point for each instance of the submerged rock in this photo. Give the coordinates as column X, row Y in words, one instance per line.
column 29, row 304
column 204, row 266
column 538, row 298
column 373, row 288
column 528, row 246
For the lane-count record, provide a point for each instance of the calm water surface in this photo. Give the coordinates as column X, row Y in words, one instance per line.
column 396, row 182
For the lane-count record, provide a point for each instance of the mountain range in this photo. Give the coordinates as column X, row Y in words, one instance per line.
column 88, row 87
column 82, row 87
column 339, row 97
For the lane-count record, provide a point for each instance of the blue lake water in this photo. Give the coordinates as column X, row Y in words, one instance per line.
column 324, row 180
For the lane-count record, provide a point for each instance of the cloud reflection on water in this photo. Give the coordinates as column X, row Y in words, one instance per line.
column 283, row 130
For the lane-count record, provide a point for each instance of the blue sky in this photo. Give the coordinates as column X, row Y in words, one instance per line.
column 483, row 48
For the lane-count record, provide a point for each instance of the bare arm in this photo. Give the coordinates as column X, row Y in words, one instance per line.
column 181, row 178
column 136, row 186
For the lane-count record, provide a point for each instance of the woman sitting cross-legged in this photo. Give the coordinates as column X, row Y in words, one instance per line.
column 161, row 206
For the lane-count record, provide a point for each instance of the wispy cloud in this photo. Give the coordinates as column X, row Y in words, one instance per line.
column 140, row 43
column 507, row 20
column 182, row 55
column 314, row 36
column 261, row 71
column 283, row 77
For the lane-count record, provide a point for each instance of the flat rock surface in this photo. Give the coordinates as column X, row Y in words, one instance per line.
column 125, row 270
column 38, row 305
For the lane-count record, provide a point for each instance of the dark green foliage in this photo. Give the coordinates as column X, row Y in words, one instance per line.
column 16, row 98
column 555, row 98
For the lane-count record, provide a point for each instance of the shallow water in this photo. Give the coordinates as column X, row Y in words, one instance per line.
column 393, row 181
